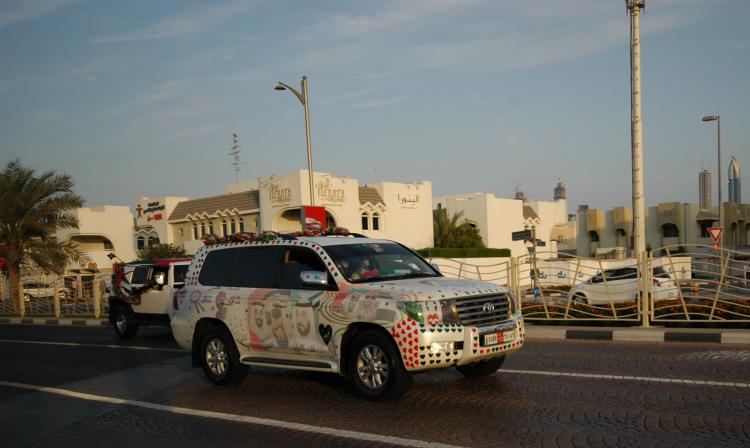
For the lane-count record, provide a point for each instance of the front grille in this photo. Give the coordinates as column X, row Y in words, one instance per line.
column 483, row 310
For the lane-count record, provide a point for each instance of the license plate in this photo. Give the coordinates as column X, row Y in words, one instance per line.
column 500, row 337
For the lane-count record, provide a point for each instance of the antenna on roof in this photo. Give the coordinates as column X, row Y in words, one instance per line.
column 235, row 151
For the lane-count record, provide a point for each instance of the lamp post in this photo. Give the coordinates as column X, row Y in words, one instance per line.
column 717, row 119
column 302, row 97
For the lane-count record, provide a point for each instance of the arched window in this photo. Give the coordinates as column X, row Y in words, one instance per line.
column 203, row 229
column 224, row 230
column 211, row 227
column 153, row 241
column 234, row 226
column 594, row 236
column 141, row 243
column 376, row 221
column 242, row 224
column 365, row 221
column 670, row 231
column 195, row 231
column 108, row 245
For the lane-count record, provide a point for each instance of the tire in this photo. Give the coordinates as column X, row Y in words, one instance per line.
column 123, row 322
column 219, row 357
column 481, row 368
column 580, row 299
column 375, row 367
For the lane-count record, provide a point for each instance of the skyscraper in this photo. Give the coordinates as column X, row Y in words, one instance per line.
column 560, row 192
column 704, row 188
column 735, row 188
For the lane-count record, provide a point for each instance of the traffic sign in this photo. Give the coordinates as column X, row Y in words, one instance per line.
column 715, row 232
column 521, row 235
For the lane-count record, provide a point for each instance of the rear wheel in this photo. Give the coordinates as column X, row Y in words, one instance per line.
column 219, row 357
column 123, row 322
column 481, row 368
column 580, row 299
column 375, row 367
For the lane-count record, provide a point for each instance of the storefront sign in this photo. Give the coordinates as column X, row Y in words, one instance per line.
column 408, row 201
column 326, row 193
column 151, row 209
column 279, row 195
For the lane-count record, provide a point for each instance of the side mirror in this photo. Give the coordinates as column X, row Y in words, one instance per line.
column 159, row 279
column 314, row 278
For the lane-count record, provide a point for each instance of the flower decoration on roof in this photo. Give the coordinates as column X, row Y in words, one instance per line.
column 267, row 236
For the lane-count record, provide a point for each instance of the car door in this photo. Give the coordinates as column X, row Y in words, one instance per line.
column 623, row 285
column 154, row 300
column 301, row 302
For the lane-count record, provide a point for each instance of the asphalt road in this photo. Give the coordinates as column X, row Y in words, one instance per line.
column 561, row 393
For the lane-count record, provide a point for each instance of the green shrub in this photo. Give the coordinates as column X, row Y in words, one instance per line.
column 463, row 252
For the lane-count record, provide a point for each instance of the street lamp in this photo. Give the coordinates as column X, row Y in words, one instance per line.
column 302, row 97
column 717, row 119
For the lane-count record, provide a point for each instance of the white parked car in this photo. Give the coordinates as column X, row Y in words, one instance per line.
column 371, row 310
column 35, row 289
column 621, row 285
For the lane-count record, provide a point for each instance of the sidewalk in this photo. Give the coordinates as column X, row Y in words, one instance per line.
column 533, row 331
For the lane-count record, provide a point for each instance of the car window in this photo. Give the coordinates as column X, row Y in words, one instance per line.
column 296, row 260
column 598, row 278
column 180, row 271
column 627, row 274
column 217, row 269
column 256, row 267
column 140, row 274
column 661, row 273
column 369, row 262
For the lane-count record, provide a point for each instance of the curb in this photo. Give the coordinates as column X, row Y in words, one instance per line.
column 716, row 336
column 89, row 322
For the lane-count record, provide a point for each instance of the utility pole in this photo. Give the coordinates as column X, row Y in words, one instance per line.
column 634, row 8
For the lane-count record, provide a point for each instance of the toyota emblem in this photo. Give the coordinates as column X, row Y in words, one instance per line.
column 488, row 307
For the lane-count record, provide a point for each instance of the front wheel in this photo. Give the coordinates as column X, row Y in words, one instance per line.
column 124, row 323
column 580, row 299
column 481, row 368
column 375, row 367
column 219, row 357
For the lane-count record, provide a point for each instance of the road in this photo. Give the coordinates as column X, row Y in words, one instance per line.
column 103, row 391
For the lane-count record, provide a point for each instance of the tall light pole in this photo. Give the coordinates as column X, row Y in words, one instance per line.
column 634, row 7
column 717, row 119
column 302, row 97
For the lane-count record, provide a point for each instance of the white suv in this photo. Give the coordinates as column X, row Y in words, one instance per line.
column 371, row 310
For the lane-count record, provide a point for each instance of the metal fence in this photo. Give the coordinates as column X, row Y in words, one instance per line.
column 81, row 295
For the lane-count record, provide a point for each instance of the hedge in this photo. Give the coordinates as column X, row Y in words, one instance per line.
column 463, row 252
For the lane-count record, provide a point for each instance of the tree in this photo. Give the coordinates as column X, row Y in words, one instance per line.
column 33, row 208
column 161, row 251
column 449, row 233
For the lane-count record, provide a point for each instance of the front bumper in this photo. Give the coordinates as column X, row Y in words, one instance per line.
column 425, row 346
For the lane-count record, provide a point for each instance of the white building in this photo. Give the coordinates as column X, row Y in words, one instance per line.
column 151, row 220
column 497, row 218
column 101, row 231
column 397, row 211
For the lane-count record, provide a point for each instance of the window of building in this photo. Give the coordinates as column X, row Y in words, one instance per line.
column 108, row 245
column 242, row 224
column 234, row 226
column 195, row 231
column 224, row 231
column 203, row 229
column 670, row 231
column 153, row 241
column 704, row 225
column 141, row 242
column 376, row 222
column 365, row 221
column 594, row 236
column 211, row 228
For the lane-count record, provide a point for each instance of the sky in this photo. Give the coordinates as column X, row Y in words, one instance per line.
column 142, row 97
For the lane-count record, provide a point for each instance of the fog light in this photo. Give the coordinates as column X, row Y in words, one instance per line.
column 437, row 347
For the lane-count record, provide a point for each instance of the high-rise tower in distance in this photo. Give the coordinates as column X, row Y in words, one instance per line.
column 704, row 188
column 735, row 187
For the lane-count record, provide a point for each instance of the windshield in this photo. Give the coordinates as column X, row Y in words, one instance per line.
column 372, row 262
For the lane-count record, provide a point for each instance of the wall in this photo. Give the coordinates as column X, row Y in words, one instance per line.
column 407, row 217
column 113, row 222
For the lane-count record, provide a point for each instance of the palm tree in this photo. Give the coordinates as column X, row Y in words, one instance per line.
column 449, row 233
column 32, row 208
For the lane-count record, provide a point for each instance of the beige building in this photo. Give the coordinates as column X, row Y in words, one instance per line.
column 151, row 220
column 607, row 233
column 397, row 211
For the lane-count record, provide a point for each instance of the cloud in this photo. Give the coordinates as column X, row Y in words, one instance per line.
column 14, row 11
column 185, row 23
column 509, row 132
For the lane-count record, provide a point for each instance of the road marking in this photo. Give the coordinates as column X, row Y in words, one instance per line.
column 335, row 432
column 77, row 344
column 628, row 378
